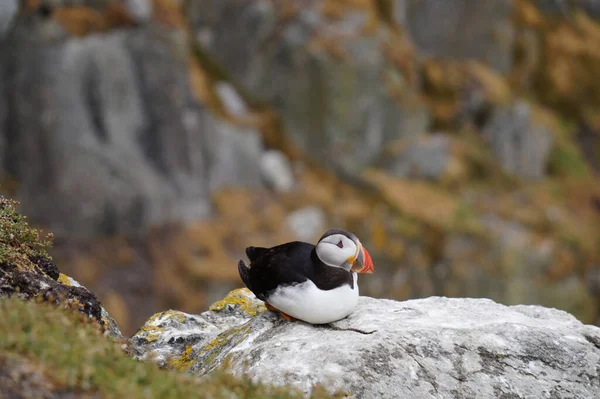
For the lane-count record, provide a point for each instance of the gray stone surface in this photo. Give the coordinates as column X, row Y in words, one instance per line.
column 521, row 144
column 421, row 157
column 435, row 347
column 233, row 103
column 233, row 153
column 333, row 99
column 104, row 135
column 276, row 171
column 461, row 29
column 562, row 8
column 8, row 10
column 308, row 223
column 140, row 10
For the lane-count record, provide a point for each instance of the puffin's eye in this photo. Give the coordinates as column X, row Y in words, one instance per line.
column 340, row 244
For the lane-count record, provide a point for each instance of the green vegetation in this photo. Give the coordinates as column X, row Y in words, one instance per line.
column 19, row 243
column 566, row 159
column 48, row 350
column 71, row 355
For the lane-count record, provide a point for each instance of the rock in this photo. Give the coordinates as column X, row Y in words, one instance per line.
column 234, row 155
column 563, row 8
column 139, row 10
column 433, row 347
column 461, row 29
column 117, row 107
column 276, row 171
column 8, row 10
column 521, row 143
column 329, row 82
column 28, row 272
column 47, row 284
column 509, row 262
column 231, row 100
column 421, row 157
column 307, row 223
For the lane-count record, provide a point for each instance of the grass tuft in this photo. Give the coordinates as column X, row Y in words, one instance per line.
column 20, row 244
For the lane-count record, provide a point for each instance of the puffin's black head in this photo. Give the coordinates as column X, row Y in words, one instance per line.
column 340, row 248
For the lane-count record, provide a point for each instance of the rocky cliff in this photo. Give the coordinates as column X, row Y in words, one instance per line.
column 435, row 347
column 159, row 138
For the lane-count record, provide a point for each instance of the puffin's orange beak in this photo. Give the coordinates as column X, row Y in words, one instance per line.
column 363, row 262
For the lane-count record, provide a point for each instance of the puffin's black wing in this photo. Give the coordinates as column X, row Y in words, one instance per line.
column 254, row 253
column 269, row 268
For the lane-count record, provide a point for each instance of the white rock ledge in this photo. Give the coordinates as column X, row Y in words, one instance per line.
column 434, row 347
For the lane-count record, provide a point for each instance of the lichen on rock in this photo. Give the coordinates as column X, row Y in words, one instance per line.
column 240, row 299
column 161, row 338
column 436, row 346
column 182, row 363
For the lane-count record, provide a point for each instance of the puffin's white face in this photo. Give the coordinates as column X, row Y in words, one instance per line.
column 342, row 249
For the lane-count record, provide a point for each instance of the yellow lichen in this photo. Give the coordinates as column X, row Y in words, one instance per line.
column 151, row 328
column 152, row 332
column 240, row 299
column 184, row 362
column 64, row 279
column 169, row 314
column 152, row 337
column 216, row 342
column 214, row 348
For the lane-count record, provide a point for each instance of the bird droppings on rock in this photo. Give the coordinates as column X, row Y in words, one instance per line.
column 419, row 348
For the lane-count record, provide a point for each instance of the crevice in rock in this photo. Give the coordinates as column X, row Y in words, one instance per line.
column 93, row 98
column 425, row 374
column 336, row 328
column 593, row 340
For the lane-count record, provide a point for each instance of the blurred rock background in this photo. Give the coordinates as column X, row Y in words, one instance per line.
column 460, row 140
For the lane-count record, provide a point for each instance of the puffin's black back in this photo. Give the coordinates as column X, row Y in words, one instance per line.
column 254, row 253
column 288, row 264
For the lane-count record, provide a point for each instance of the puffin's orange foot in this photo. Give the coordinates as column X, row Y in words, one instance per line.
column 287, row 316
column 271, row 308
column 284, row 315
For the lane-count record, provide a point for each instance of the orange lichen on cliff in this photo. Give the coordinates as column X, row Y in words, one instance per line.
column 168, row 13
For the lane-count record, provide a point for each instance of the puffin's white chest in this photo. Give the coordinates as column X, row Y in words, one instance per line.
column 308, row 303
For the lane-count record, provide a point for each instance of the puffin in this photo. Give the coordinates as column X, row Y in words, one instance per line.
column 313, row 283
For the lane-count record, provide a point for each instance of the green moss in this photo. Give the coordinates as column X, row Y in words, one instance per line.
column 566, row 158
column 18, row 242
column 74, row 357
column 466, row 220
